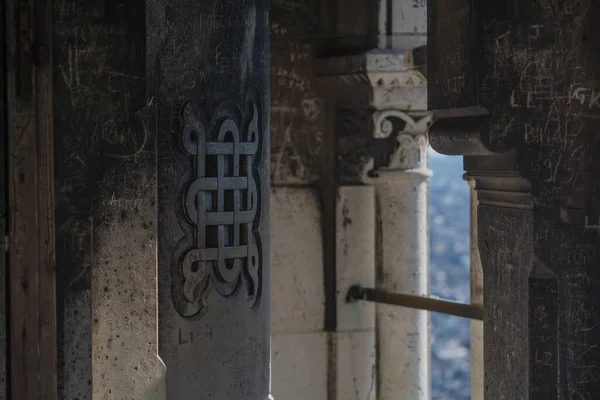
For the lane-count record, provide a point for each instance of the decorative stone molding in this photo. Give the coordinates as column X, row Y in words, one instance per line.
column 220, row 197
column 377, row 79
column 381, row 121
column 458, row 131
column 412, row 144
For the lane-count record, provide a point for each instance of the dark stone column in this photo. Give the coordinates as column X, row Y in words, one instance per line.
column 161, row 157
column 209, row 67
column 3, row 228
column 515, row 89
column 105, row 163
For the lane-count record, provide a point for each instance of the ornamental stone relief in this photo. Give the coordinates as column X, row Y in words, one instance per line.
column 220, row 199
column 411, row 137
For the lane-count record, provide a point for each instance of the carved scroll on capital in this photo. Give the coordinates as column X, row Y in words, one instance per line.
column 383, row 121
column 370, row 142
column 410, row 134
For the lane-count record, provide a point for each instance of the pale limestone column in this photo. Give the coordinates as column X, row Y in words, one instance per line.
column 299, row 347
column 381, row 143
column 477, row 386
column 403, row 226
column 355, row 264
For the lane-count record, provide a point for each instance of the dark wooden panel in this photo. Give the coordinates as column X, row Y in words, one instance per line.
column 31, row 202
column 3, row 222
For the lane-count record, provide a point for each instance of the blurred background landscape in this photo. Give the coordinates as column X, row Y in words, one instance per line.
column 450, row 336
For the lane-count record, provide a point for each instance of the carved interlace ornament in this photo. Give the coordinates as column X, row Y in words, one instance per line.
column 221, row 203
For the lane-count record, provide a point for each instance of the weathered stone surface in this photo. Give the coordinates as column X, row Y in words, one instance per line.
column 405, row 25
column 355, row 343
column 380, row 120
column 534, row 68
column 505, row 246
column 355, row 237
column 3, row 242
column 304, row 18
column 356, row 365
column 105, row 194
column 298, row 114
column 374, row 96
column 210, row 104
column 299, row 364
column 297, row 290
column 402, row 333
column 77, row 346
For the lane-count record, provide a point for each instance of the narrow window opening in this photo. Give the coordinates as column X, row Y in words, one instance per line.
column 449, row 277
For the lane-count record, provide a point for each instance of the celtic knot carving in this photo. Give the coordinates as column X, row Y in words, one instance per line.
column 221, row 200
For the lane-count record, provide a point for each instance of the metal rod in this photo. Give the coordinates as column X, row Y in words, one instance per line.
column 469, row 311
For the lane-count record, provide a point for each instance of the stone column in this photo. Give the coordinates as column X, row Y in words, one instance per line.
column 382, row 144
column 300, row 163
column 106, row 196
column 209, row 70
column 514, row 90
column 355, row 356
column 403, row 247
column 161, row 111
column 477, row 383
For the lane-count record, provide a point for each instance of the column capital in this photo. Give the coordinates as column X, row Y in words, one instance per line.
column 377, row 79
column 409, row 154
column 379, row 100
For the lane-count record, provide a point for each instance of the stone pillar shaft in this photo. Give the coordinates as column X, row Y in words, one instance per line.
column 355, row 264
column 403, row 229
column 381, row 144
column 162, row 208
column 524, row 114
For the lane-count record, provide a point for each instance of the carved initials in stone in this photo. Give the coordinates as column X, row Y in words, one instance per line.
column 221, row 199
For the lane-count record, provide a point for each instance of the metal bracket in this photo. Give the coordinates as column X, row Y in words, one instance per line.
column 469, row 311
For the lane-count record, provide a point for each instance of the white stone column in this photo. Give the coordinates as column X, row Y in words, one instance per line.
column 298, row 344
column 403, row 217
column 381, row 142
column 356, row 376
column 476, row 299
